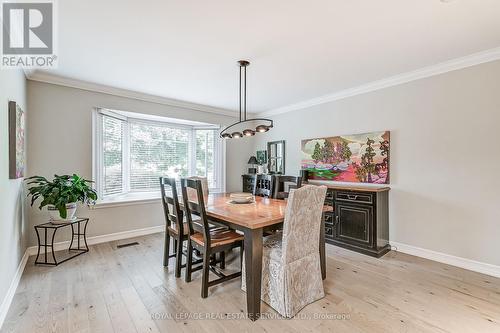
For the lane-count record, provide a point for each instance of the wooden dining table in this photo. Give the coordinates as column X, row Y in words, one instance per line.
column 253, row 219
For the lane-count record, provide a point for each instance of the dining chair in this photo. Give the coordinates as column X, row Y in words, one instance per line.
column 175, row 227
column 291, row 268
column 207, row 241
column 281, row 191
column 264, row 185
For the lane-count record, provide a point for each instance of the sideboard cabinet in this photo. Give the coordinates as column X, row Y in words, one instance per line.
column 360, row 218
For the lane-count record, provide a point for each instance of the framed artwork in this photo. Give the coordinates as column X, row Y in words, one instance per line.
column 262, row 157
column 359, row 158
column 16, row 140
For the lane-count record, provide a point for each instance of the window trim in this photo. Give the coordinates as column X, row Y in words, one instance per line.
column 128, row 197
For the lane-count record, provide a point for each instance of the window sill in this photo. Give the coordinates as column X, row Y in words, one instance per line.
column 134, row 199
column 128, row 200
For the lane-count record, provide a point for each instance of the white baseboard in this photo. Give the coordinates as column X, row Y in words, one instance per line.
column 4, row 307
column 444, row 258
column 32, row 250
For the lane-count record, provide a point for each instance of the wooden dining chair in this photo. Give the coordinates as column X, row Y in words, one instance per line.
column 175, row 228
column 291, row 267
column 281, row 191
column 264, row 185
column 207, row 241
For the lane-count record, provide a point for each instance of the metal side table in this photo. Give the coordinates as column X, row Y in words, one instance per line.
column 78, row 230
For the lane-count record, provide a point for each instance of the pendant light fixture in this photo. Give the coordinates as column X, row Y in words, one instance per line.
column 241, row 131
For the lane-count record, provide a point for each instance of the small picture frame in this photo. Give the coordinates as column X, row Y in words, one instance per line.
column 262, row 157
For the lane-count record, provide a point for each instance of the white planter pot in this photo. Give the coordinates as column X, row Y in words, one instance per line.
column 55, row 217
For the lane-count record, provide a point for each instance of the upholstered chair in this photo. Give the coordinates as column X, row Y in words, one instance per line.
column 291, row 270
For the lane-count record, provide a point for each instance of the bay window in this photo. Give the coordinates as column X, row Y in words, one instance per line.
column 131, row 151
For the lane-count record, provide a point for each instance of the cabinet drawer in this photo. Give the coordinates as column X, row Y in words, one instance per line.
column 328, row 218
column 328, row 230
column 355, row 197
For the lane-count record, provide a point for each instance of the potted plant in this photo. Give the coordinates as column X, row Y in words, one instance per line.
column 61, row 195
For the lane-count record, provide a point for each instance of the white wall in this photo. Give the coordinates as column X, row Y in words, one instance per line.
column 60, row 129
column 12, row 222
column 445, row 160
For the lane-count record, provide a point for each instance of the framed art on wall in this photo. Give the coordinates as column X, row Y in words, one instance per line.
column 359, row 158
column 16, row 140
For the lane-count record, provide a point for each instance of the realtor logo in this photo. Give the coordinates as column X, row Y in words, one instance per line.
column 28, row 35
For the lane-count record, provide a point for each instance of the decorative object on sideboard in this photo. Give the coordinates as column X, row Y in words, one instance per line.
column 276, row 157
column 245, row 127
column 16, row 140
column 262, row 160
column 252, row 162
column 61, row 195
column 359, row 158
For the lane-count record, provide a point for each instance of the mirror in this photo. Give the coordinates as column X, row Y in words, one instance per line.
column 276, row 157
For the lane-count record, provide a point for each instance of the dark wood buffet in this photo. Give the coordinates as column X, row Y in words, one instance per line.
column 359, row 220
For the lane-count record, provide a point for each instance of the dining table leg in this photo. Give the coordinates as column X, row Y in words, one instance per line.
column 322, row 249
column 253, row 268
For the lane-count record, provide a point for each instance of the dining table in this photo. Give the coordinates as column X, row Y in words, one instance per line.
column 253, row 220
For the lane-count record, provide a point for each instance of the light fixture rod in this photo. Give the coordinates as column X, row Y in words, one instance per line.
column 245, row 114
column 240, row 92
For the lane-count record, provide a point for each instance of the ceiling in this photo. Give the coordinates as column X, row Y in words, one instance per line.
column 187, row 50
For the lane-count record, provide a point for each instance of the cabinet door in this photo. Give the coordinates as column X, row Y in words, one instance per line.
column 354, row 224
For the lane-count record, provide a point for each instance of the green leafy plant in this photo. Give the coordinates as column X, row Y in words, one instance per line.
column 61, row 191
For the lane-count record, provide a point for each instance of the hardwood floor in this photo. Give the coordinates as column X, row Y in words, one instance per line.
column 127, row 289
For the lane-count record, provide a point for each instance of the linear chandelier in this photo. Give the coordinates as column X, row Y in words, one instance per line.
column 264, row 124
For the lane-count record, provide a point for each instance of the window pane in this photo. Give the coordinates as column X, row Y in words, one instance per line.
column 112, row 155
column 205, row 156
column 157, row 150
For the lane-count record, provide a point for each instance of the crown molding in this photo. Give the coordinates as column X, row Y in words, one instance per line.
column 441, row 68
column 104, row 89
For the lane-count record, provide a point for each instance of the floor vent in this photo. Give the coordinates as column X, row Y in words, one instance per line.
column 126, row 245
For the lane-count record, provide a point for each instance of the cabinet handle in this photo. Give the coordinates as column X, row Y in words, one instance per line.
column 352, row 197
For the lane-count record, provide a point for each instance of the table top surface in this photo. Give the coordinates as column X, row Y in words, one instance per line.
column 261, row 213
column 346, row 187
column 61, row 223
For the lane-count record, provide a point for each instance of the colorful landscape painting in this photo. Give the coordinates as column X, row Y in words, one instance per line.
column 359, row 158
column 16, row 141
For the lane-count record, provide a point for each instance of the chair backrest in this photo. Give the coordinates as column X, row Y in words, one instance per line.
column 301, row 228
column 192, row 193
column 264, row 185
column 170, row 200
column 281, row 191
column 195, row 205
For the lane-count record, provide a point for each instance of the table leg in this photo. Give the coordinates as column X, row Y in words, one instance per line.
column 39, row 245
column 253, row 267
column 322, row 249
column 52, row 246
column 85, row 234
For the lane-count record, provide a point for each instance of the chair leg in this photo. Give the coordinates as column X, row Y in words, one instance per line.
column 189, row 261
column 166, row 250
column 241, row 258
column 178, row 257
column 222, row 257
column 206, row 271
